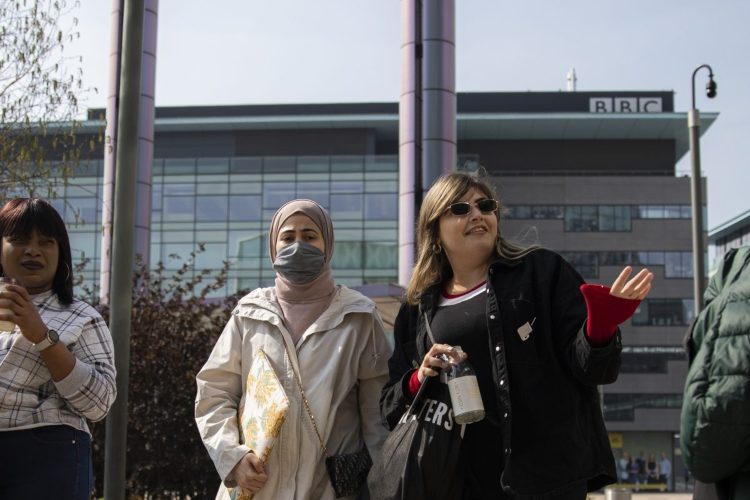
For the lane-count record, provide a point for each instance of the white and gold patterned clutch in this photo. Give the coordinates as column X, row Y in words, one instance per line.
column 263, row 409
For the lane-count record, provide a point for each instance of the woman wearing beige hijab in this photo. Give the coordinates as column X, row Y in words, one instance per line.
column 330, row 335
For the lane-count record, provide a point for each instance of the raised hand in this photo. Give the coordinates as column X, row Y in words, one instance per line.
column 635, row 288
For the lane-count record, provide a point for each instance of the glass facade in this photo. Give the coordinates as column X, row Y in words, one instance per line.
column 676, row 264
column 598, row 218
column 226, row 205
column 622, row 406
column 664, row 312
column 650, row 359
column 223, row 203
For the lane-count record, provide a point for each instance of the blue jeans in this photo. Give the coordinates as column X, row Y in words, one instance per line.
column 51, row 462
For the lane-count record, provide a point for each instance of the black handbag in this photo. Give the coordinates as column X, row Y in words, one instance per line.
column 348, row 471
column 420, row 458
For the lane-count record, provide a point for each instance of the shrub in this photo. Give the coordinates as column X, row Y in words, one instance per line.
column 174, row 327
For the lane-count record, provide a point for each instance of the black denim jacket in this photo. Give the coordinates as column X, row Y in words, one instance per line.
column 548, row 406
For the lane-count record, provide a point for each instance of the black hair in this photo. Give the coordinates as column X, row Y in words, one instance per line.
column 23, row 216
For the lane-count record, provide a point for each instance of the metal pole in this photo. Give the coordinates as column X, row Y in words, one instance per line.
column 696, row 189
column 696, row 200
column 122, row 246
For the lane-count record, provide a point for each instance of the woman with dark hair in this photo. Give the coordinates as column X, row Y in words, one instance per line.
column 56, row 364
column 539, row 339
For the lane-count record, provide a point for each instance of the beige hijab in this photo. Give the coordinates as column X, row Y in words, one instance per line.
column 302, row 304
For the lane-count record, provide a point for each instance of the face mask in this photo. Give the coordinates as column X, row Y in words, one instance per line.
column 299, row 262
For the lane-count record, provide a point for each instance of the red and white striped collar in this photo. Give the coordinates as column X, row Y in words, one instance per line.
column 448, row 299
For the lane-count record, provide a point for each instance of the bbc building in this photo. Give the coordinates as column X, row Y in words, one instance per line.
column 591, row 175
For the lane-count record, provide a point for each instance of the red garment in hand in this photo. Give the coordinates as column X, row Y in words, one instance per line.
column 414, row 383
column 605, row 312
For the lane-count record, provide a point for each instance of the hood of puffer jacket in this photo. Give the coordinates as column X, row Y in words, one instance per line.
column 261, row 305
column 732, row 264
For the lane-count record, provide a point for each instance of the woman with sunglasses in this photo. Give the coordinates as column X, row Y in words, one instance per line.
column 539, row 339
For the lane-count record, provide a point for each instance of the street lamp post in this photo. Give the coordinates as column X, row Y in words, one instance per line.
column 696, row 190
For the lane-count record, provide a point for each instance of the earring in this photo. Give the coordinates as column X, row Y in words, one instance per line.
column 67, row 267
column 436, row 248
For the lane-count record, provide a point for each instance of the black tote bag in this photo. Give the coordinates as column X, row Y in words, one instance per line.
column 421, row 458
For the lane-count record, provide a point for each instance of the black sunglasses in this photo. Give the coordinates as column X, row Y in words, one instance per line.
column 485, row 205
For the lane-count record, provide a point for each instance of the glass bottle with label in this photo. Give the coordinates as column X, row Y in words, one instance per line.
column 464, row 390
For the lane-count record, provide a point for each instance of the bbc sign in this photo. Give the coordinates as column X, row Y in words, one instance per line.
column 625, row 104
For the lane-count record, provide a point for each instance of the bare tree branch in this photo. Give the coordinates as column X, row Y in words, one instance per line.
column 40, row 91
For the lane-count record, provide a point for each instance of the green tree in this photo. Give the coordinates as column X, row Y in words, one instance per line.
column 40, row 92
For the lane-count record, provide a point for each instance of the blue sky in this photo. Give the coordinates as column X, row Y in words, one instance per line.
column 293, row 51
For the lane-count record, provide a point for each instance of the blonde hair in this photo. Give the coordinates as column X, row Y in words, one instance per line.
column 433, row 267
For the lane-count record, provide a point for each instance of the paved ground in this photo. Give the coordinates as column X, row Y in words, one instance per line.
column 648, row 496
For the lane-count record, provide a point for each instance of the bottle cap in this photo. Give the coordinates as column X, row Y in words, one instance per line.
column 458, row 355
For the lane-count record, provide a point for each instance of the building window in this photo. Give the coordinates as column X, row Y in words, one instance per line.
column 346, row 206
column 661, row 212
column 174, row 255
column 178, row 209
column 347, row 255
column 81, row 211
column 226, row 204
column 664, row 312
column 614, row 218
column 212, row 257
column 316, row 191
column 276, row 194
column 518, row 212
column 179, row 189
column 547, row 212
column 244, row 208
column 211, row 208
column 589, row 218
column 581, row 218
column 586, row 263
column 82, row 244
column 676, row 264
column 381, row 206
column 249, row 248
column 649, row 359
column 381, row 255
column 622, row 407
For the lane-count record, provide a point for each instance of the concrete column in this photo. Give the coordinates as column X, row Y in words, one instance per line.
column 110, row 148
column 146, row 133
column 439, row 90
column 142, row 236
column 409, row 135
